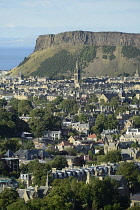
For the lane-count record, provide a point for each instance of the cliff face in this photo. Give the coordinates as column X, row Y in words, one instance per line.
column 87, row 38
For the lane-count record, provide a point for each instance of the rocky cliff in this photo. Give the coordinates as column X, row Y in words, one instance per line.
column 87, row 38
column 99, row 53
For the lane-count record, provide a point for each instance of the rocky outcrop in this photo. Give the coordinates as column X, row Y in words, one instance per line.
column 87, row 38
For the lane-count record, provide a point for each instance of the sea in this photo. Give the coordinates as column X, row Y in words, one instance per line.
column 12, row 56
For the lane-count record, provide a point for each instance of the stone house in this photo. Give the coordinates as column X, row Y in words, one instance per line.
column 54, row 135
column 81, row 127
column 64, row 145
column 110, row 146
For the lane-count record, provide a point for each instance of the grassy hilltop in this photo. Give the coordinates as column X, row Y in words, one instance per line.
column 58, row 59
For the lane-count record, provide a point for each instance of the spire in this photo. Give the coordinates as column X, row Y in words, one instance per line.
column 137, row 72
column 77, row 64
column 77, row 74
column 47, row 180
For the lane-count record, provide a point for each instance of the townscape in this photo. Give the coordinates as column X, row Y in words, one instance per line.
column 58, row 136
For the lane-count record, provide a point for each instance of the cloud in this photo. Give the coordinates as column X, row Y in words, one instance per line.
column 39, row 3
column 15, row 41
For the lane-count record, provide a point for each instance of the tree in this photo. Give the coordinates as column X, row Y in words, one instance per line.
column 112, row 122
column 28, row 144
column 82, row 117
column 135, row 101
column 134, row 208
column 37, row 204
column 23, row 168
column 129, row 171
column 69, row 105
column 57, row 100
column 39, row 171
column 37, row 113
column 14, row 103
column 69, row 194
column 136, row 121
column 75, row 118
column 59, row 162
column 104, row 192
column 3, row 102
column 12, row 144
column 8, row 196
column 20, row 204
column 44, row 123
column 90, row 107
column 24, row 107
column 93, row 98
column 101, row 122
column 78, row 161
column 10, row 124
column 115, row 101
column 113, row 156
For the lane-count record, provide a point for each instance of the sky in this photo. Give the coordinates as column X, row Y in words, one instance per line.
column 22, row 21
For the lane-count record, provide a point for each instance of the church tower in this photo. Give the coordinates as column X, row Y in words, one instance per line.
column 137, row 73
column 77, row 75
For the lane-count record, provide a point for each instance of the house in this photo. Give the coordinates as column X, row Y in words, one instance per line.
column 135, row 199
column 64, row 145
column 13, row 163
column 26, row 179
column 33, row 192
column 133, row 131
column 129, row 138
column 39, row 145
column 7, row 183
column 122, row 184
column 72, row 139
column 107, row 97
column 128, row 124
column 54, row 135
column 70, row 160
column 27, row 135
column 130, row 153
column 81, row 127
column 92, row 137
column 110, row 146
column 31, row 154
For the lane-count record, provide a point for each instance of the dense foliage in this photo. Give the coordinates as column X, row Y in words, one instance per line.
column 68, row 194
column 60, row 63
column 87, row 54
column 24, row 61
column 63, row 61
column 10, row 124
column 108, row 49
column 130, row 51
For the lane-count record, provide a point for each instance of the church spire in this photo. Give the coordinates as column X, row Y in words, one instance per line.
column 77, row 74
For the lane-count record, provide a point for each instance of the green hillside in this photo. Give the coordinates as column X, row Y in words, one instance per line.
column 59, row 62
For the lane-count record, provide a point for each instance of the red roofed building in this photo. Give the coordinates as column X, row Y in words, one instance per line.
column 92, row 137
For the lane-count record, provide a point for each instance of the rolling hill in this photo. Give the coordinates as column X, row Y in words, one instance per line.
column 99, row 54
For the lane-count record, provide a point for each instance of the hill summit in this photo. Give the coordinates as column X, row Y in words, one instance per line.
column 99, row 54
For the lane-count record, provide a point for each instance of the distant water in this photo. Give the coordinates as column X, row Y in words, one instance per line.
column 11, row 57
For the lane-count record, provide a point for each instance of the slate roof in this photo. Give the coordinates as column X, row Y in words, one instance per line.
column 109, row 96
column 135, row 197
column 31, row 154
column 9, row 153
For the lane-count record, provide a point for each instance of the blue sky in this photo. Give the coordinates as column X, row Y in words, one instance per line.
column 22, row 21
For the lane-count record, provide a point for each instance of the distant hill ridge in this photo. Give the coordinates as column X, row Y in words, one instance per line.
column 87, row 38
column 99, row 54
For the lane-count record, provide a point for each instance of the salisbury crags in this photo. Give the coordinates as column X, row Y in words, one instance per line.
column 99, row 54
column 87, row 38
